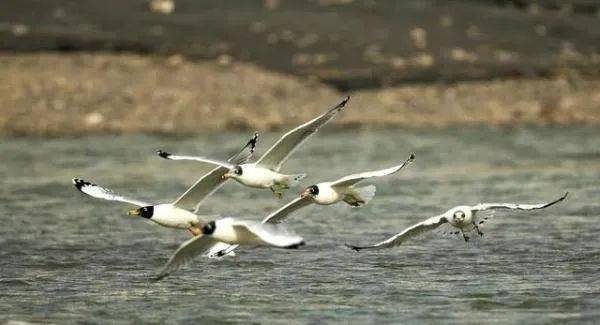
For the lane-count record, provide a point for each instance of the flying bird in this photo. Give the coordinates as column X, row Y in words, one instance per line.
column 180, row 213
column 264, row 173
column 343, row 189
column 464, row 218
column 232, row 232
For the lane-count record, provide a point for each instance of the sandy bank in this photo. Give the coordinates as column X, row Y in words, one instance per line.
column 67, row 94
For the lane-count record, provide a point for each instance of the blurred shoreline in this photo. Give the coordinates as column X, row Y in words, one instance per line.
column 190, row 66
column 347, row 44
column 64, row 94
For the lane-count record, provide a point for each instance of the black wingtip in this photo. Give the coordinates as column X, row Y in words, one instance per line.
column 159, row 277
column 562, row 198
column 354, row 248
column 412, row 156
column 295, row 246
column 79, row 183
column 344, row 101
column 163, row 154
column 253, row 142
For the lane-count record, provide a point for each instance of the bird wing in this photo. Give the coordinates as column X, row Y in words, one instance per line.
column 246, row 152
column 515, row 206
column 203, row 188
column 211, row 161
column 287, row 144
column 213, row 180
column 419, row 228
column 187, row 252
column 281, row 214
column 98, row 192
column 355, row 178
column 269, row 234
column 274, row 218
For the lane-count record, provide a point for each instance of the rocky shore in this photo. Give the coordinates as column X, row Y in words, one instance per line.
column 66, row 94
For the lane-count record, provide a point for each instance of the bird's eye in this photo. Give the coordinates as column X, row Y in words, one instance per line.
column 208, row 228
column 238, row 170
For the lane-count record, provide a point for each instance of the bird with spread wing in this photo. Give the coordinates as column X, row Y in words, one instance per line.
column 464, row 218
column 232, row 232
column 182, row 212
column 265, row 172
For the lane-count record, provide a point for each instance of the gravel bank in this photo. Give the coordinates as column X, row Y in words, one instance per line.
column 70, row 94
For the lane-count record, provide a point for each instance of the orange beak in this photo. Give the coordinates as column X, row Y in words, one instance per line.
column 305, row 193
column 195, row 231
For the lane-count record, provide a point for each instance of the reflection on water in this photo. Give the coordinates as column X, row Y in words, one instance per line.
column 67, row 257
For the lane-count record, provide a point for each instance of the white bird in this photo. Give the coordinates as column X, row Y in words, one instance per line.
column 233, row 232
column 464, row 218
column 179, row 213
column 343, row 189
column 264, row 173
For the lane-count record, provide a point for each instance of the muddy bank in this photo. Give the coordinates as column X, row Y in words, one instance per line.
column 70, row 94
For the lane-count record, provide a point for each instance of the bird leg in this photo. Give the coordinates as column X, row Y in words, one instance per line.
column 277, row 190
column 477, row 228
column 466, row 238
column 356, row 203
column 353, row 200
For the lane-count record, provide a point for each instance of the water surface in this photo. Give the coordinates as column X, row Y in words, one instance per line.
column 65, row 257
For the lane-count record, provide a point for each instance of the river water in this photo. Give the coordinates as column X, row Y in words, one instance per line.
column 65, row 257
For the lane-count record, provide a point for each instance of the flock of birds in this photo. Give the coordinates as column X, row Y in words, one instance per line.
column 220, row 237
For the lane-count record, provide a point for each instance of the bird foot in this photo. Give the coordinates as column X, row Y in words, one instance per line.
column 477, row 229
column 277, row 191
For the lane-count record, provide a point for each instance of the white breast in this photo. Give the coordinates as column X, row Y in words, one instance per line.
column 258, row 177
column 225, row 232
column 170, row 216
column 327, row 194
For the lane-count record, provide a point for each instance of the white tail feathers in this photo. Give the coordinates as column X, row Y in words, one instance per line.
column 295, row 179
column 367, row 193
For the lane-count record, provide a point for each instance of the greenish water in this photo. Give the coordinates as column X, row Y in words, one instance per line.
column 65, row 257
